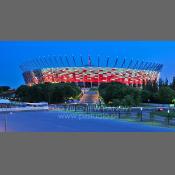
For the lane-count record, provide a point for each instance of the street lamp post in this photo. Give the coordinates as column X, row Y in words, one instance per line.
column 87, row 107
column 75, row 107
column 119, row 112
column 168, row 116
column 141, row 114
column 5, row 121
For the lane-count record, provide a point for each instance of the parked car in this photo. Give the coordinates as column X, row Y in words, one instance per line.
column 160, row 109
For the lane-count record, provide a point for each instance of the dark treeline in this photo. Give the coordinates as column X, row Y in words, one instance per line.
column 4, row 89
column 49, row 92
column 159, row 92
column 115, row 94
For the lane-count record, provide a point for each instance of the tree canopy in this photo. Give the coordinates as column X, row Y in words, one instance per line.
column 116, row 94
column 52, row 93
column 4, row 89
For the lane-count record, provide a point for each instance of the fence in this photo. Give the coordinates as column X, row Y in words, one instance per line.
column 143, row 114
column 17, row 109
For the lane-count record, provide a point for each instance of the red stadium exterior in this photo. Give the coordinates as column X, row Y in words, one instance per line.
column 132, row 73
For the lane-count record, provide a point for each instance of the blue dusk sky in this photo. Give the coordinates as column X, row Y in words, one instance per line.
column 12, row 54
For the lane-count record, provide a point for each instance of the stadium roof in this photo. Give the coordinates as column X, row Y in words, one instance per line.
column 72, row 61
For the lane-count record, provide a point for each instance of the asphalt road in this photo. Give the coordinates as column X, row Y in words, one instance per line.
column 59, row 121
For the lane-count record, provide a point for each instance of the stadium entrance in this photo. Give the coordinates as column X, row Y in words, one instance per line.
column 88, row 84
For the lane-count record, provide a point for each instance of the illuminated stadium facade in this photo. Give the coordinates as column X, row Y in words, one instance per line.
column 88, row 72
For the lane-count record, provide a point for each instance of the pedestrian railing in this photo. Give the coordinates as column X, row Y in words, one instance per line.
column 142, row 114
column 16, row 109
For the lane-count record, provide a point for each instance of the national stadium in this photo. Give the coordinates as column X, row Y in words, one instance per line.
column 89, row 71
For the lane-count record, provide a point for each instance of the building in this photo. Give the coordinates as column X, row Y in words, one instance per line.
column 9, row 94
column 89, row 72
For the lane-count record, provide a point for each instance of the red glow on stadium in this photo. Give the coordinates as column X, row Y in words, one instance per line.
column 57, row 71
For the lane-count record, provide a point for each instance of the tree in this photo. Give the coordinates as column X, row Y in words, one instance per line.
column 117, row 94
column 173, row 83
column 155, row 87
column 161, row 83
column 23, row 93
column 128, row 101
column 4, row 88
column 52, row 93
column 115, row 102
column 152, row 87
column 166, row 95
column 166, row 82
column 146, row 96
